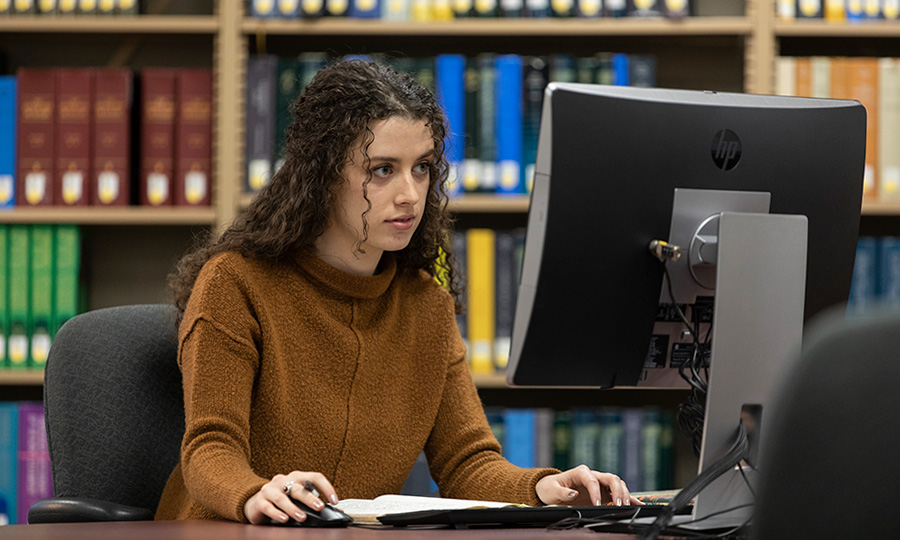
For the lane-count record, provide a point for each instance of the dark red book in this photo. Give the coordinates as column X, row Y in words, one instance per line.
column 110, row 177
column 157, row 137
column 73, row 137
column 36, row 138
column 193, row 148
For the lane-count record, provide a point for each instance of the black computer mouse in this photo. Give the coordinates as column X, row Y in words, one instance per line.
column 328, row 516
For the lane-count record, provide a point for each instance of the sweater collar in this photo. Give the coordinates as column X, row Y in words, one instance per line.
column 365, row 287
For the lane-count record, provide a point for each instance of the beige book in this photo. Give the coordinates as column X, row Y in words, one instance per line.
column 820, row 76
column 786, row 76
column 889, row 129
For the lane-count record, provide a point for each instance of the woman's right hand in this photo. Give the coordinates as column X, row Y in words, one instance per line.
column 275, row 500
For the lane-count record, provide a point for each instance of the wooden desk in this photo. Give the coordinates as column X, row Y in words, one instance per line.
column 222, row 530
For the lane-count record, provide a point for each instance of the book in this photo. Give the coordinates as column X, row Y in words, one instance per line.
column 676, row 9
column 589, row 8
column 9, row 435
column 834, row 11
column 786, row 10
column 67, row 266
column 585, row 437
column 820, row 76
column 471, row 167
column 562, row 440
column 520, row 432
column 288, row 83
column 459, row 251
column 512, row 8
column 111, row 161
column 562, row 8
column 395, row 10
column 4, row 293
column 889, row 273
column 262, row 8
column 193, row 137
column 864, row 283
column 487, row 122
column 803, row 76
column 644, row 8
column 261, row 121
column 367, row 510
column 632, row 466
column 810, row 9
column 537, row 9
column 36, row 136
column 365, row 9
column 785, row 76
column 287, row 9
column 480, row 298
column 505, row 289
column 34, row 477
column 157, row 147
column 642, row 70
column 508, row 105
column 41, row 294
column 611, row 440
column 337, row 8
column 862, row 75
column 888, row 129
column 7, row 141
column 73, row 137
column 536, row 75
column 19, row 284
column 450, row 80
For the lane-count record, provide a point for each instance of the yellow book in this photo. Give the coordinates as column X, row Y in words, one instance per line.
column 480, row 295
column 803, row 84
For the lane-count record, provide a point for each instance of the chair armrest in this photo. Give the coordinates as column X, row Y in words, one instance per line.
column 77, row 509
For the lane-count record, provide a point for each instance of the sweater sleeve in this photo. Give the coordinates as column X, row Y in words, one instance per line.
column 463, row 454
column 219, row 362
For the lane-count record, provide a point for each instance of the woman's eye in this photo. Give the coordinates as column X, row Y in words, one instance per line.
column 382, row 171
column 423, row 168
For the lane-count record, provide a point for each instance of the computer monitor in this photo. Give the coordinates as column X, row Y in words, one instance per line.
column 620, row 167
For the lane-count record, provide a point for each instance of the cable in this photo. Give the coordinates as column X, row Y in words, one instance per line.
column 734, row 455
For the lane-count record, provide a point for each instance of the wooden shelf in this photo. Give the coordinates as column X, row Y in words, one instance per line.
column 881, row 208
column 490, row 204
column 28, row 377
column 834, row 29
column 128, row 215
column 120, row 24
column 691, row 26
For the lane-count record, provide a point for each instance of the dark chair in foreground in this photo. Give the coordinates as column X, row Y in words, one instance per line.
column 115, row 414
column 831, row 466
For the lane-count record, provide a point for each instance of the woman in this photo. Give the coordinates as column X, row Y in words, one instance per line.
column 315, row 343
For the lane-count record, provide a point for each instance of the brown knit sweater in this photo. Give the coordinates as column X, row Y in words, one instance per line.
column 300, row 366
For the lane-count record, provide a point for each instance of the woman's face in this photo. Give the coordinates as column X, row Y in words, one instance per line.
column 400, row 163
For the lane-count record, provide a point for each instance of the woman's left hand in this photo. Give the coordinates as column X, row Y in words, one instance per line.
column 583, row 487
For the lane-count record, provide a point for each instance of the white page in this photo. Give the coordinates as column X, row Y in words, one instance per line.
column 398, row 504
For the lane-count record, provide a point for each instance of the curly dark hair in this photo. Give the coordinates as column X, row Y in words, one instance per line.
column 333, row 113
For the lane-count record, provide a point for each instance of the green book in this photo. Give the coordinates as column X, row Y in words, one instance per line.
column 4, row 293
column 41, row 293
column 287, row 88
column 67, row 261
column 19, row 279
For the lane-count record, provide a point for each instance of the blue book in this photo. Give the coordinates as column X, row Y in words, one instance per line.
column 509, row 124
column 450, row 81
column 621, row 69
column 520, row 432
column 7, row 141
column 365, row 9
column 9, row 430
column 864, row 284
column 889, row 279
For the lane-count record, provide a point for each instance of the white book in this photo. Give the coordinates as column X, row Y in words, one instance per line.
column 368, row 510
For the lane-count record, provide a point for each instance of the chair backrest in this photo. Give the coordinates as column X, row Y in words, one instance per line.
column 114, row 404
column 832, row 440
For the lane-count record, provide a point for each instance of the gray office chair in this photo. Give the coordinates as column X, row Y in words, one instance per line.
column 114, row 412
column 831, row 467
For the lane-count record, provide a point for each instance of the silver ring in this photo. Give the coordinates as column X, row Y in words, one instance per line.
column 287, row 487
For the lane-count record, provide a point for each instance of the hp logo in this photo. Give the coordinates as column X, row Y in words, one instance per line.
column 726, row 149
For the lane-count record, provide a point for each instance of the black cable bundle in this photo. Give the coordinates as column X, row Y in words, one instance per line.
column 738, row 452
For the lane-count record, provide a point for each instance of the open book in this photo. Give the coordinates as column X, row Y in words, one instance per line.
column 367, row 510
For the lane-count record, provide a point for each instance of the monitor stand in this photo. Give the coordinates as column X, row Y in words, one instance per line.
column 757, row 329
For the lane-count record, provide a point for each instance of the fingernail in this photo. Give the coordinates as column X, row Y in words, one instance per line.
column 283, row 517
column 597, row 502
column 334, row 499
column 618, row 502
column 318, row 504
column 572, row 494
column 299, row 516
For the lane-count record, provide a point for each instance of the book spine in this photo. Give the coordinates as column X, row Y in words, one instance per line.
column 67, row 260
column 585, row 437
column 19, row 287
column 785, row 76
column 193, row 139
column 487, row 118
column 537, row 9
column 41, row 252
column 261, row 121
column 678, row 9
column 610, row 453
column 562, row 8
column 889, row 273
column 562, row 440
column 644, row 8
column 4, row 294
column 651, row 452
column 312, row 9
column 855, row 11
column 512, row 8
column 34, row 480
column 632, row 442
column 111, row 163
column 337, row 8
column 287, row 9
column 7, row 141
column 616, row 8
column 562, row 68
column 395, row 10
column 459, row 251
column 365, row 9
column 287, row 89
column 505, row 289
column 471, row 169
column 451, row 93
column 508, row 104
column 642, row 70
column 520, row 431
column 589, row 9
column 810, row 9
column 157, row 112
column 864, row 283
column 127, row 7
column 262, row 9
column 73, row 140
column 834, row 11
column 863, row 86
column 536, row 75
column 480, row 263
column 820, row 76
column 803, row 76
column 36, row 136
column 888, row 129
column 621, row 69
column 9, row 436
column 890, row 9
column 543, row 453
column 786, row 10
